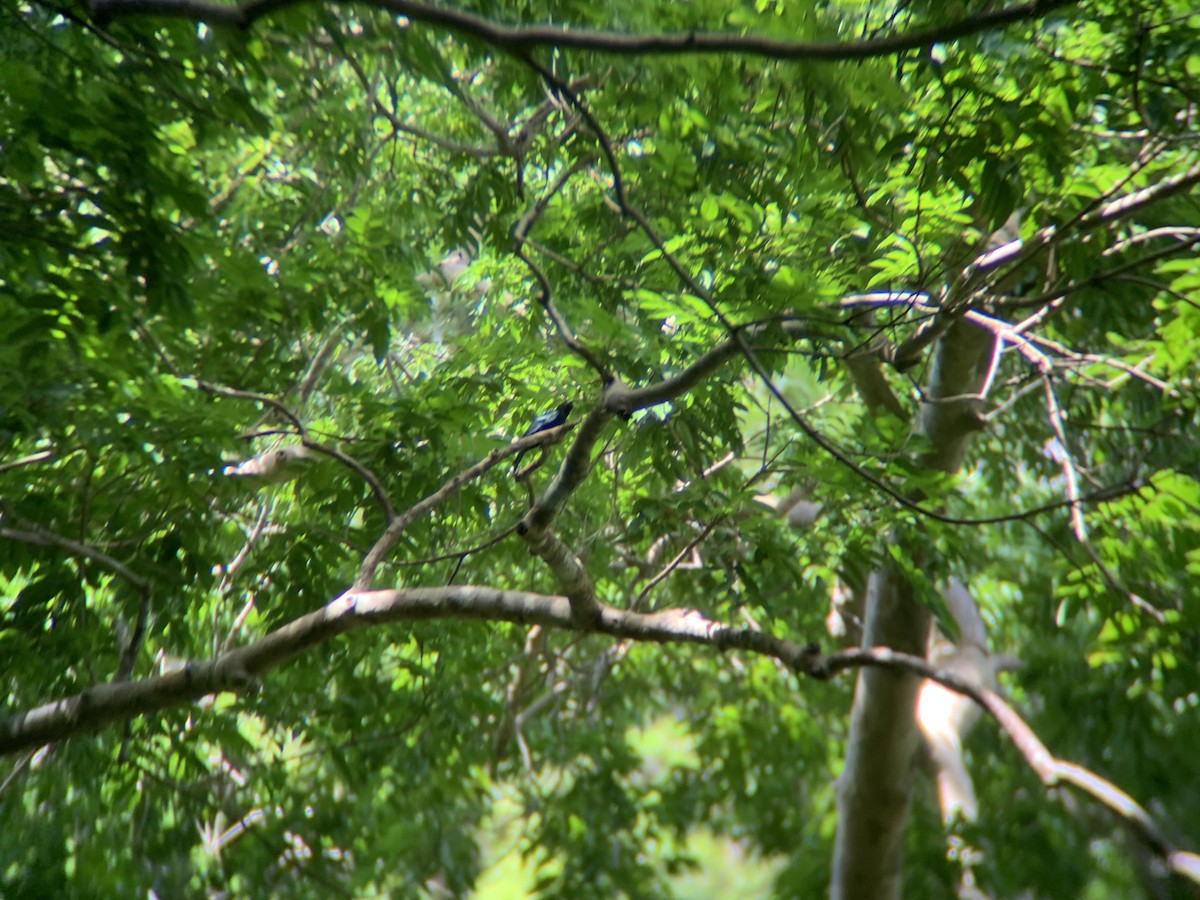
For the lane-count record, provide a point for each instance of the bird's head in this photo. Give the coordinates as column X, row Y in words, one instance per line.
column 564, row 409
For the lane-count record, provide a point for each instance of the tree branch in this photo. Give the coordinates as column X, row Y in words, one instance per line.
column 31, row 459
column 1019, row 253
column 621, row 398
column 1051, row 770
column 398, row 524
column 237, row 670
column 234, row 394
column 520, row 39
column 358, row 469
column 520, row 233
column 572, row 576
column 44, row 538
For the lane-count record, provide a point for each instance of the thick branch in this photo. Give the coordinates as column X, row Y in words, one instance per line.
column 236, row 671
column 950, row 417
column 571, row 574
column 876, row 781
column 521, row 39
column 575, row 468
column 866, row 372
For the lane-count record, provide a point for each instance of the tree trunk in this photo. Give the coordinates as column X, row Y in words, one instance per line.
column 876, row 782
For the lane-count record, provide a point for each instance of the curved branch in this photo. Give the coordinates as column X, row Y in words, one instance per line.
column 520, row 39
column 234, row 394
column 1051, row 770
column 237, row 670
column 623, row 399
column 349, row 462
column 399, row 126
column 131, row 641
column 43, row 537
column 520, row 234
column 358, row 469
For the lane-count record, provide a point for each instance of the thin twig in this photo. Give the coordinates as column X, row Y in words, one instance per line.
column 399, row 523
column 43, row 537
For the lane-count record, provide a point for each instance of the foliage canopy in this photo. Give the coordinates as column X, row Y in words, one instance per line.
column 945, row 287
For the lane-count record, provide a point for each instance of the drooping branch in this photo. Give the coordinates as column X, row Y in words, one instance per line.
column 1050, row 770
column 238, row 671
column 130, row 640
column 520, row 39
column 43, row 537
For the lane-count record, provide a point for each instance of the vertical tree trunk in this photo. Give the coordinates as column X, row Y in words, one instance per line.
column 875, row 787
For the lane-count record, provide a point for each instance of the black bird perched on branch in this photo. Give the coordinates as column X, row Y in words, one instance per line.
column 544, row 422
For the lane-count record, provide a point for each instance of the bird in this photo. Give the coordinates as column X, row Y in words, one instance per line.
column 551, row 418
column 272, row 467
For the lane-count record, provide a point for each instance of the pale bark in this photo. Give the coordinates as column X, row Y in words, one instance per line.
column 875, row 786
